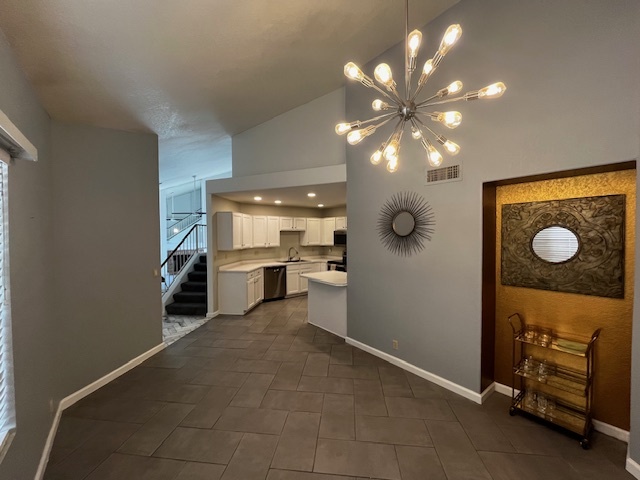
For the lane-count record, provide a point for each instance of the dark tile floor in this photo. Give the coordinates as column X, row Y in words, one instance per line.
column 268, row 396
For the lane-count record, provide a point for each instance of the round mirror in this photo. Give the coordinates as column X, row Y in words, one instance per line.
column 403, row 224
column 555, row 244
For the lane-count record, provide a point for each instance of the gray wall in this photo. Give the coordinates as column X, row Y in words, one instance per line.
column 36, row 355
column 559, row 61
column 106, row 248
column 84, row 300
column 298, row 139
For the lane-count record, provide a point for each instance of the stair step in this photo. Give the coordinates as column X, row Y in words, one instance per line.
column 200, row 267
column 194, row 286
column 187, row 308
column 197, row 276
column 190, row 297
column 203, row 259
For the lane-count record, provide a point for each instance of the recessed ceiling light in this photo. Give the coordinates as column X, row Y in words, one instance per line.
column 257, row 199
column 311, row 194
column 321, row 205
column 278, row 202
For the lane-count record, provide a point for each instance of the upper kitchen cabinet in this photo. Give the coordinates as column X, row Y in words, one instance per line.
column 273, row 231
column 341, row 223
column 235, row 231
column 328, row 227
column 259, row 231
column 293, row 224
column 247, row 231
column 313, row 234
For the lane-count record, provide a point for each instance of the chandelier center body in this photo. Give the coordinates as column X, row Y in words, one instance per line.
column 407, row 111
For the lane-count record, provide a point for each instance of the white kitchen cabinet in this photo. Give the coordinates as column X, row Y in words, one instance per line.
column 293, row 224
column 313, row 234
column 273, row 231
column 299, row 224
column 296, row 283
column 230, row 230
column 247, row 231
column 239, row 292
column 341, row 223
column 259, row 231
column 258, row 286
column 286, row 224
column 328, row 227
column 293, row 279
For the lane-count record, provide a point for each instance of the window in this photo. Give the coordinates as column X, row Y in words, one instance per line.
column 7, row 406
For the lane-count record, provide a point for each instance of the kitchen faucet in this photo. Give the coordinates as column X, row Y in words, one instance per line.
column 291, row 257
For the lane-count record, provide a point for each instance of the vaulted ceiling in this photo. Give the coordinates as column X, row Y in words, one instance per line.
column 195, row 71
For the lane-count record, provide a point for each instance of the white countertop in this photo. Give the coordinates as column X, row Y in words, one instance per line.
column 248, row 266
column 330, row 277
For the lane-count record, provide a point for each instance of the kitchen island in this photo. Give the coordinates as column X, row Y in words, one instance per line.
column 327, row 304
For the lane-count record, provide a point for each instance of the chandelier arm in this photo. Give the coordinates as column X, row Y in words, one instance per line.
column 426, row 127
column 427, row 100
column 389, row 97
column 441, row 102
column 407, row 73
column 374, row 119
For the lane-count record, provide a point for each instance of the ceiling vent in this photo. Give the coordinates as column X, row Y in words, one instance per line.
column 452, row 173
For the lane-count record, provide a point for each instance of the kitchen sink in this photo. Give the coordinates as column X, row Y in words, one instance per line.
column 295, row 261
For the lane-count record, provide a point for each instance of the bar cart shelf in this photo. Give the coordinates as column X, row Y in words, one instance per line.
column 552, row 387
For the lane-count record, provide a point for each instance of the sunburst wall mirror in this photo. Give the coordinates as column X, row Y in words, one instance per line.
column 405, row 222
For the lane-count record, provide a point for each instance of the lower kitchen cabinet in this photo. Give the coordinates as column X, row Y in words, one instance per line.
column 239, row 292
column 295, row 282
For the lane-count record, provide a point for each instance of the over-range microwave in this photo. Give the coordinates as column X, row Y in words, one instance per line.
column 340, row 238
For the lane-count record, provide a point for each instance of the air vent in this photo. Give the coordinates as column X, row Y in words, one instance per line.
column 452, row 173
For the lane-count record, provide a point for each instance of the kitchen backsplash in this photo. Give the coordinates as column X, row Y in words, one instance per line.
column 287, row 240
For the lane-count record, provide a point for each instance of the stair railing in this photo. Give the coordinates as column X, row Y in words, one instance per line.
column 194, row 243
column 182, row 224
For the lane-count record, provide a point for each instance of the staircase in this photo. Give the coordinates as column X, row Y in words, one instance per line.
column 192, row 300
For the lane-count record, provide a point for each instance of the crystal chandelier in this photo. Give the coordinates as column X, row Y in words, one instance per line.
column 409, row 109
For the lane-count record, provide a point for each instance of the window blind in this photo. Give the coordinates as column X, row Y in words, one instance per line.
column 7, row 410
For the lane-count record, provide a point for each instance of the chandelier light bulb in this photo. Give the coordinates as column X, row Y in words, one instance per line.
column 415, row 133
column 434, row 157
column 413, row 43
column 451, row 147
column 392, row 165
column 378, row 105
column 448, row 119
column 495, row 90
column 391, row 151
column 376, row 157
column 455, row 87
column 356, row 136
column 427, row 70
column 352, row 71
column 343, row 128
column 384, row 76
column 451, row 36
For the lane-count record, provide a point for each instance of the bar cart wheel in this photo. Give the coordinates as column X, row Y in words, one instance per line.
column 585, row 443
column 512, row 411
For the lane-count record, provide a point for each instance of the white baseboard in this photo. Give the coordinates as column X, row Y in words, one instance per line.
column 66, row 402
column 443, row 382
column 598, row 426
column 213, row 315
column 611, row 430
column 487, row 391
column 504, row 389
column 633, row 468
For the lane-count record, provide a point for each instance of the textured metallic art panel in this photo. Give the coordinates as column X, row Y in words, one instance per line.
column 598, row 266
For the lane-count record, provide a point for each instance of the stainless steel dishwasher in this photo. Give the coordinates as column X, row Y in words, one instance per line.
column 275, row 283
